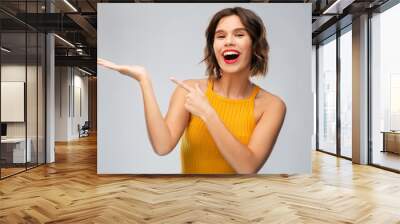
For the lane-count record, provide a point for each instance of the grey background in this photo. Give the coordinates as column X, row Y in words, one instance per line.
column 168, row 39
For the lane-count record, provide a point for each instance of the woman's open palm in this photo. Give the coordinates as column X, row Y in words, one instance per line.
column 137, row 72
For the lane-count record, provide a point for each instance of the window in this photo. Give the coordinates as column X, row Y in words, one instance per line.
column 385, row 88
column 346, row 93
column 327, row 96
column 22, row 65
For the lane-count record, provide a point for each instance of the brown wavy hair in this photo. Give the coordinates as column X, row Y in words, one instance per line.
column 256, row 29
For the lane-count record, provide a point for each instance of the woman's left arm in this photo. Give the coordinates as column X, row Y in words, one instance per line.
column 246, row 159
column 243, row 158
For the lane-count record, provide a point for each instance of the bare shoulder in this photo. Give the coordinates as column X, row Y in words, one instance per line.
column 268, row 102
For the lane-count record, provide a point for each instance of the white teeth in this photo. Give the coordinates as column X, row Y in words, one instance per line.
column 230, row 53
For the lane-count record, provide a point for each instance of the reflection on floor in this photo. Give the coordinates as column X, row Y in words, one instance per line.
column 11, row 169
column 386, row 159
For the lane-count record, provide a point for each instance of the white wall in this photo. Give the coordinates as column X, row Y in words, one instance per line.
column 15, row 72
column 66, row 119
column 80, row 83
column 168, row 39
column 61, row 103
column 33, row 127
column 12, row 101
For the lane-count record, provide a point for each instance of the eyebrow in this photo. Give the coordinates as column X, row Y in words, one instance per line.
column 237, row 29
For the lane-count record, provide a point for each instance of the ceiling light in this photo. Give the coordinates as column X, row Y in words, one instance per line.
column 331, row 7
column 337, row 7
column 86, row 72
column 5, row 50
column 65, row 41
column 70, row 5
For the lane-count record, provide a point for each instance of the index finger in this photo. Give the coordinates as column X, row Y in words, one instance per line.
column 181, row 84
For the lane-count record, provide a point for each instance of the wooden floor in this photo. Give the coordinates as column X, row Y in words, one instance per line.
column 70, row 191
column 5, row 172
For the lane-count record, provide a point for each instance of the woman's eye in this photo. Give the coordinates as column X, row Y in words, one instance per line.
column 240, row 35
column 219, row 37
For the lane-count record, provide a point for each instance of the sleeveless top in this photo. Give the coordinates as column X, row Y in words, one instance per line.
column 199, row 153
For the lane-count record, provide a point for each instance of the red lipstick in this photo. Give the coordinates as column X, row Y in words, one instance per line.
column 230, row 56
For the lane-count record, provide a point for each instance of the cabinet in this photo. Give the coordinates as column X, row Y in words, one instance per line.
column 13, row 150
column 391, row 141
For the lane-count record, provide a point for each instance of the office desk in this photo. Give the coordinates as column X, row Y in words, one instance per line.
column 13, row 150
column 391, row 141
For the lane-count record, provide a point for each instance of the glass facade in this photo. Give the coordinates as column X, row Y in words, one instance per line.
column 335, row 73
column 385, row 89
column 346, row 93
column 327, row 96
column 22, row 87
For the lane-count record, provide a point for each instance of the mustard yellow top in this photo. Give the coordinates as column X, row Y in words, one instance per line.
column 199, row 153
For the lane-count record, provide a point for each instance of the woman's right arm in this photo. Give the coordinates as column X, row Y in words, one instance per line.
column 164, row 133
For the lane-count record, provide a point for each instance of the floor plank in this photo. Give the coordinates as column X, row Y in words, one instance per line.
column 70, row 191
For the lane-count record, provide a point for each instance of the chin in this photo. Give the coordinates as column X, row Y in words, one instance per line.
column 230, row 70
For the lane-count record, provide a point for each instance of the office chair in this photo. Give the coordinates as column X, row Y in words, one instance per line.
column 84, row 130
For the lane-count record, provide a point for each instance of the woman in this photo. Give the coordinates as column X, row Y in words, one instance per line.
column 229, row 124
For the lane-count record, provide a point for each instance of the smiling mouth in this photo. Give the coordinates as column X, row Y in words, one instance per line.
column 231, row 57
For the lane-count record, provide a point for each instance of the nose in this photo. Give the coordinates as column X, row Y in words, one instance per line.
column 229, row 40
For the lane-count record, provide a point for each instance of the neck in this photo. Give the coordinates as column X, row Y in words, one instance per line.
column 235, row 86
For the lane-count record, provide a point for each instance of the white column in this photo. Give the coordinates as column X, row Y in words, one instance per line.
column 50, row 92
column 50, row 82
column 360, row 90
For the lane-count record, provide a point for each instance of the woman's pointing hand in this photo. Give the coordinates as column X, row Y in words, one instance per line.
column 196, row 102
